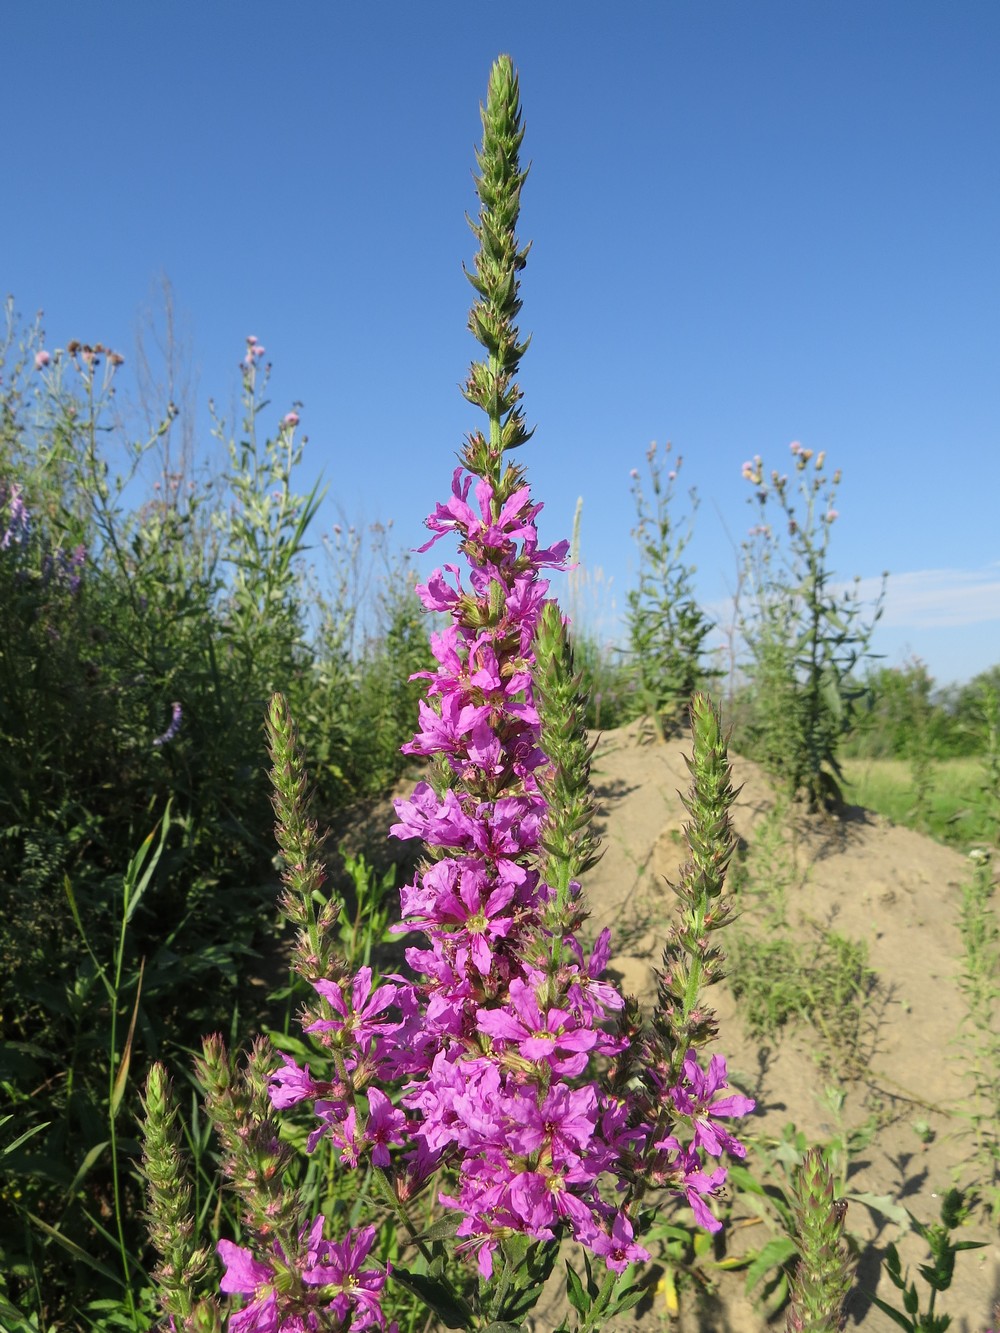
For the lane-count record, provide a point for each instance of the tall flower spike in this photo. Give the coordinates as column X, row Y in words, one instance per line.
column 822, row 1279
column 183, row 1263
column 301, row 843
column 571, row 845
column 491, row 384
column 690, row 962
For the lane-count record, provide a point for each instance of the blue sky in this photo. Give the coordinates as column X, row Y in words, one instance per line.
column 752, row 224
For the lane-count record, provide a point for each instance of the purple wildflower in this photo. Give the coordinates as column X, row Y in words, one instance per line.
column 291, row 1085
column 174, row 727
column 13, row 509
column 693, row 1099
column 340, row 1288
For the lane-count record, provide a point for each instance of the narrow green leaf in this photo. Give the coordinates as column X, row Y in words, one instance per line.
column 21, row 1138
column 575, row 1292
column 13, row 1321
column 443, row 1229
column 83, row 1169
column 773, row 1254
column 437, row 1296
column 121, row 1077
column 72, row 1248
column 629, row 1297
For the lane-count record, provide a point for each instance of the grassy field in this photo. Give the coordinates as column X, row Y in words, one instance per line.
column 956, row 808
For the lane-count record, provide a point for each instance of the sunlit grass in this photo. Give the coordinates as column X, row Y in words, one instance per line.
column 956, row 811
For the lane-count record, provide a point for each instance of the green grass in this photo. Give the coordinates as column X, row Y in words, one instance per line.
column 957, row 811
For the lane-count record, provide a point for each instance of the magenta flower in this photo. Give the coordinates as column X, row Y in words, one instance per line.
column 174, row 727
column 337, row 1268
column 353, row 1024
column 540, row 1036
column 291, row 1085
column 341, row 1288
column 18, row 523
column 693, row 1098
column 618, row 1247
column 245, row 1276
column 385, row 1125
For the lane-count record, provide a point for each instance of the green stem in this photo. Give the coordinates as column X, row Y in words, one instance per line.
column 113, row 1110
column 604, row 1297
column 384, row 1186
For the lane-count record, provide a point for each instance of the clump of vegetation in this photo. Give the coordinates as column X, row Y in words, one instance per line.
column 980, row 1035
column 928, row 758
column 805, row 640
column 150, row 606
column 666, row 626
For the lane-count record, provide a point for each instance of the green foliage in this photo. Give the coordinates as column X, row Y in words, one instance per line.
column 692, row 956
column 979, row 1039
column 937, row 1274
column 608, row 682
column 491, row 384
column 965, row 704
column 990, row 785
column 957, row 808
column 146, row 624
column 666, row 626
column 804, row 638
column 607, row 678
column 791, row 1187
column 900, row 708
column 826, row 983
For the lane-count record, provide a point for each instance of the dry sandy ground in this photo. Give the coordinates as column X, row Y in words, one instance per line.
column 899, row 893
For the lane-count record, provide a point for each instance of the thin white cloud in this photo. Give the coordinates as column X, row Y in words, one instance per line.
column 937, row 598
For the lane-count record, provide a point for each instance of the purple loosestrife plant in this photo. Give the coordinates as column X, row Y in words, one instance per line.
column 14, row 516
column 525, row 1088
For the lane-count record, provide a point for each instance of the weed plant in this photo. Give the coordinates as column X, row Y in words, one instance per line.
column 937, row 1274
column 896, row 702
column 956, row 805
column 798, row 1191
column 919, row 745
column 142, row 635
column 608, row 682
column 980, row 1033
column 990, row 785
column 805, row 640
column 666, row 626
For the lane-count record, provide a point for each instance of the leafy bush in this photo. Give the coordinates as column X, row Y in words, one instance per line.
column 666, row 626
column 805, row 639
column 145, row 629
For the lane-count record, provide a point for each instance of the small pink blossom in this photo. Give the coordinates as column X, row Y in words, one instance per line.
column 291, row 419
column 42, row 359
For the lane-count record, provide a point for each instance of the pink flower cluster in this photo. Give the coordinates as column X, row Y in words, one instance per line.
column 332, row 1285
column 495, row 1043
